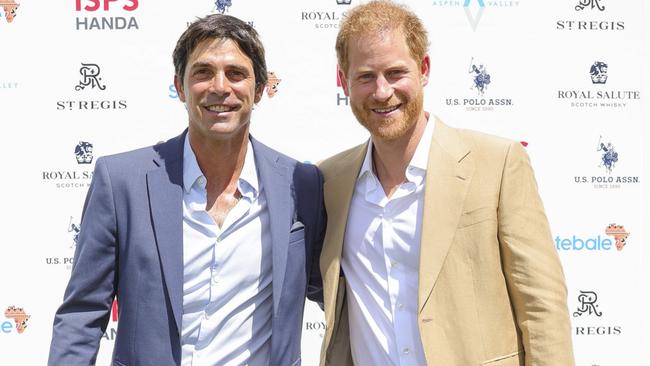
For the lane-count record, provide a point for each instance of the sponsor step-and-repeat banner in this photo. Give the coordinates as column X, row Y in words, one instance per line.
column 81, row 79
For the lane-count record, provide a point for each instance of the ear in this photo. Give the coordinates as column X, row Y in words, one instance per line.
column 425, row 68
column 343, row 80
column 179, row 88
column 259, row 90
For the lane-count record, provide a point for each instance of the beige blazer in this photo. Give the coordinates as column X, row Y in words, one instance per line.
column 491, row 287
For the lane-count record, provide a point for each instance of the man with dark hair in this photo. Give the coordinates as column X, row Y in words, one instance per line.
column 437, row 250
column 208, row 240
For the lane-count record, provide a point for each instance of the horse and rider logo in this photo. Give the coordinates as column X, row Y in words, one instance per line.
column 480, row 77
column 608, row 157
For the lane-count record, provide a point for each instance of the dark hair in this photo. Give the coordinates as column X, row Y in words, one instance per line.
column 218, row 26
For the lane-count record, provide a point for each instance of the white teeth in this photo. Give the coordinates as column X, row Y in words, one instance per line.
column 385, row 110
column 219, row 108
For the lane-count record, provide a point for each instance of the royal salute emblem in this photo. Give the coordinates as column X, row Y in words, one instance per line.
column 84, row 152
column 598, row 72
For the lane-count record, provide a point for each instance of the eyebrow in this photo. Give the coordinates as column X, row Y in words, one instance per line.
column 235, row 67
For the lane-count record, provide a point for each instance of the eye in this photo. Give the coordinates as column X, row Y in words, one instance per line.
column 394, row 74
column 201, row 73
column 236, row 75
column 365, row 77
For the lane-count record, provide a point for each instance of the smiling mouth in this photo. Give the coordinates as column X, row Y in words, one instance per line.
column 386, row 110
column 220, row 108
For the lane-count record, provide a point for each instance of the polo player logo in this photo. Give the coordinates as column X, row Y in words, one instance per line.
column 74, row 230
column 587, row 304
column 598, row 72
column 480, row 77
column 90, row 77
column 609, row 156
column 84, row 152
column 589, row 3
column 222, row 5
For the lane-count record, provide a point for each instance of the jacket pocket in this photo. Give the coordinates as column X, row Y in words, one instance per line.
column 505, row 360
column 296, row 236
column 477, row 216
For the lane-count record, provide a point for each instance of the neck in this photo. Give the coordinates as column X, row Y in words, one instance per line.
column 391, row 157
column 221, row 161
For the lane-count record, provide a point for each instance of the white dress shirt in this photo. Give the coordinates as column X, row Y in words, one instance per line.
column 381, row 254
column 227, row 290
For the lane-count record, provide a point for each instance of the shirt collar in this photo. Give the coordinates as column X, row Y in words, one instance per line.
column 419, row 160
column 191, row 170
column 248, row 180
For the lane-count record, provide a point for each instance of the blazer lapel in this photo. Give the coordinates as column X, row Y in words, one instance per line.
column 276, row 182
column 165, row 188
column 338, row 191
column 449, row 172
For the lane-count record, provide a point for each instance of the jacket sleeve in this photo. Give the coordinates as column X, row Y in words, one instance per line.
column 532, row 266
column 81, row 320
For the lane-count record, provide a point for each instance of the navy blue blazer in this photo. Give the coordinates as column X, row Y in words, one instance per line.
column 131, row 246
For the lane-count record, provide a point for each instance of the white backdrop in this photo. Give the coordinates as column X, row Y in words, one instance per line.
column 538, row 55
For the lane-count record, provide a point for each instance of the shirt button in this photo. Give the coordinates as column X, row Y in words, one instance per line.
column 219, row 240
column 393, row 263
column 206, row 316
column 201, row 181
column 215, row 280
column 400, row 306
column 406, row 351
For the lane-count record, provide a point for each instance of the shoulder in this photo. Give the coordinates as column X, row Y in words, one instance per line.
column 267, row 155
column 482, row 146
column 143, row 159
column 333, row 165
column 486, row 144
column 488, row 152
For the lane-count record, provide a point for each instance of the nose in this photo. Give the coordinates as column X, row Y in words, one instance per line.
column 383, row 89
column 220, row 84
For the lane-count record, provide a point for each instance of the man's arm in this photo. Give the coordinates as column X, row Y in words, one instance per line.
column 82, row 318
column 531, row 266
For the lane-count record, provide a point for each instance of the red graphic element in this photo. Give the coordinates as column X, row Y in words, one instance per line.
column 338, row 78
column 19, row 316
column 523, row 143
column 272, row 84
column 619, row 233
column 114, row 310
column 10, row 7
column 94, row 5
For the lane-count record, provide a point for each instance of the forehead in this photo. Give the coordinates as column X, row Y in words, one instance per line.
column 387, row 46
column 218, row 49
